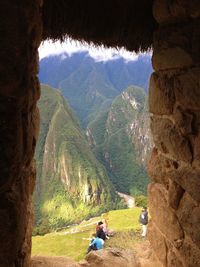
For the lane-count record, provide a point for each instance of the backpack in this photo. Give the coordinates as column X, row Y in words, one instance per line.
column 143, row 218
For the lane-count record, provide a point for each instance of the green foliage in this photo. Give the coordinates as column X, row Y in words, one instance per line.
column 141, row 201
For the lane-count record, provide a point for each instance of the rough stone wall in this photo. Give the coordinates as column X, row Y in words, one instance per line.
column 174, row 193
column 19, row 90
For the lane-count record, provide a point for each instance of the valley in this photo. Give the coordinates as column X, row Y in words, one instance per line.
column 94, row 137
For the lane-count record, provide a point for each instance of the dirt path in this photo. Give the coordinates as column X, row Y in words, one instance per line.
column 129, row 200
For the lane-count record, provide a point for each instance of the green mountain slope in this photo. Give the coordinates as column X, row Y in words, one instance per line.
column 121, row 140
column 88, row 90
column 71, row 183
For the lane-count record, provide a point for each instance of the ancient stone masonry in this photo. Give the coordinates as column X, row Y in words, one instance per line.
column 174, row 102
column 19, row 91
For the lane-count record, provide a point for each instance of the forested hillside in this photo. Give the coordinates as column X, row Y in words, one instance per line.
column 71, row 183
column 121, row 140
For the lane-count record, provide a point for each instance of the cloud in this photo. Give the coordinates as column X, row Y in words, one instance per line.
column 99, row 54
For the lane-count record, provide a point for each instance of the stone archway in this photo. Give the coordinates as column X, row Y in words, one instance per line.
column 175, row 105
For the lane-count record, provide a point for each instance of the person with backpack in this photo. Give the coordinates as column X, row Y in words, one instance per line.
column 143, row 219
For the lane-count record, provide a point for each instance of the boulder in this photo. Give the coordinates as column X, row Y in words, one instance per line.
column 115, row 257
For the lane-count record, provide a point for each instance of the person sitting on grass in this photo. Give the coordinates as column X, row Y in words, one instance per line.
column 106, row 230
column 99, row 231
column 95, row 244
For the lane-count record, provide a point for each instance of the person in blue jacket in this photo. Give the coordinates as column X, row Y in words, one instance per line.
column 95, row 244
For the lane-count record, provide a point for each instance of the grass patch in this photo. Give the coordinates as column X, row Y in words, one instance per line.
column 73, row 241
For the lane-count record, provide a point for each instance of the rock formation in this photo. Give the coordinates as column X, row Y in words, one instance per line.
column 112, row 257
column 101, row 258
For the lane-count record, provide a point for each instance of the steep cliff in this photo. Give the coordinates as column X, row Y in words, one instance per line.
column 121, row 140
column 71, row 183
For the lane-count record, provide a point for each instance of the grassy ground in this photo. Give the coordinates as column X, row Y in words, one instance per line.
column 73, row 241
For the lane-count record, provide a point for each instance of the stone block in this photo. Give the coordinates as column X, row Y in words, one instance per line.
column 183, row 120
column 190, row 253
column 189, row 217
column 158, row 242
column 161, row 94
column 175, row 194
column 168, row 11
column 171, row 58
column 187, row 89
column 161, row 11
column 196, row 146
column 157, row 168
column 169, row 140
column 173, row 258
column 162, row 215
column 176, row 46
column 188, row 178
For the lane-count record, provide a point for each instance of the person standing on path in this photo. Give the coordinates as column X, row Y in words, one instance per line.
column 143, row 219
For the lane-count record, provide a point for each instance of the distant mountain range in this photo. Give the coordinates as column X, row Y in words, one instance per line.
column 90, row 85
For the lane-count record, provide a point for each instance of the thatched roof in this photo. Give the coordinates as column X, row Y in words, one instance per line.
column 115, row 23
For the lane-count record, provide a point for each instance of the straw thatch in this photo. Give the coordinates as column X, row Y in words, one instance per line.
column 115, row 23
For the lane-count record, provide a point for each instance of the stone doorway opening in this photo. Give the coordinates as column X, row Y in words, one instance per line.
column 173, row 28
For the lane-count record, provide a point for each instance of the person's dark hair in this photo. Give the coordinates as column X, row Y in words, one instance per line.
column 100, row 223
